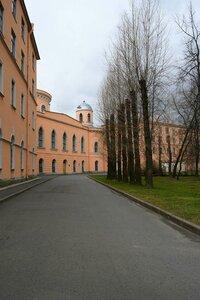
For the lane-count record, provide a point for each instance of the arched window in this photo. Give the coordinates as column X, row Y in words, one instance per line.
column 74, row 143
column 40, row 137
column 96, row 147
column 53, row 166
column 81, row 117
column 89, row 118
column 82, row 144
column 53, row 139
column 22, row 156
column 41, row 165
column 64, row 141
column 74, row 166
column 12, row 153
column 65, row 163
column 43, row 108
column 0, row 148
column 96, row 166
column 83, row 166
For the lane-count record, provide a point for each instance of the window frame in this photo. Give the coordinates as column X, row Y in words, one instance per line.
column 22, row 106
column 1, row 18
column 23, row 26
column 14, row 8
column 13, row 43
column 13, row 93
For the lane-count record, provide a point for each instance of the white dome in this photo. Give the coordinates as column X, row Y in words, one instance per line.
column 84, row 106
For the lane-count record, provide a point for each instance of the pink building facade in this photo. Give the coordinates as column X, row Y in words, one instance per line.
column 67, row 145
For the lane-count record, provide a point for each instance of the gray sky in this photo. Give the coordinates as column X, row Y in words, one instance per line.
column 72, row 37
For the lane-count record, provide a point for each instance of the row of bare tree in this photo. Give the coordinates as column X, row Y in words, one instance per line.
column 138, row 89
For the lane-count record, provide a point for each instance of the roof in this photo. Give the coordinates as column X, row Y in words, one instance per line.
column 84, row 106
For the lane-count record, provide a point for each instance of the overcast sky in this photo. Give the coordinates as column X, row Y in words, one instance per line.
column 72, row 37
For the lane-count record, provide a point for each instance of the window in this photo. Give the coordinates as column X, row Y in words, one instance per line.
column 1, row 18
column 74, row 143
column 81, row 117
column 12, row 153
column 33, row 86
column 0, row 148
column 168, row 139
column 13, row 93
column 33, row 61
column 64, row 142
column 41, row 165
column 53, row 140
column 89, row 118
column 33, row 120
column 96, row 147
column 74, row 166
column 1, row 78
column 96, row 166
column 22, row 105
column 83, row 166
column 43, row 108
column 22, row 156
column 82, row 144
column 53, row 166
column 167, row 130
column 13, row 43
column 14, row 7
column 40, row 137
column 23, row 29
column 22, row 62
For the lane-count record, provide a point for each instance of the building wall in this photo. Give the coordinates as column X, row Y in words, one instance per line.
column 14, row 122
column 61, row 124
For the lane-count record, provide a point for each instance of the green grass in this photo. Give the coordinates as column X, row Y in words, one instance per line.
column 181, row 198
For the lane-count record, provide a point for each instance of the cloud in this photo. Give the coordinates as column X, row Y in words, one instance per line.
column 72, row 36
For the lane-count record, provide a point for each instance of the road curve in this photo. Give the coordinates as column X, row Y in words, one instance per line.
column 71, row 238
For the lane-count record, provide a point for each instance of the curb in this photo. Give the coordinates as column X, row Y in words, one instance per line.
column 24, row 190
column 177, row 220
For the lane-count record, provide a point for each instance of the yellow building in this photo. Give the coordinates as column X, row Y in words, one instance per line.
column 18, row 67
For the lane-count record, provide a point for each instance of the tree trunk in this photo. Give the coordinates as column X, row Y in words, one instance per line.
column 147, row 134
column 119, row 148
column 108, row 148
column 130, row 143
column 113, row 147
column 160, row 155
column 124, row 144
column 138, row 176
column 170, row 154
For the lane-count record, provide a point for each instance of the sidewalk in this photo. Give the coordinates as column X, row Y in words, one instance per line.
column 16, row 189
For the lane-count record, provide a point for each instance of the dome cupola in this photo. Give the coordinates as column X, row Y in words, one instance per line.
column 84, row 114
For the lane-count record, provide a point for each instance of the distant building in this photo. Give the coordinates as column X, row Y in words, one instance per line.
column 67, row 145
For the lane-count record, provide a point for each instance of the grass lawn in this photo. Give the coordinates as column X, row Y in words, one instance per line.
column 179, row 197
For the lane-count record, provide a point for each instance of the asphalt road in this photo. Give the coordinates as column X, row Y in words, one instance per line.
column 71, row 238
